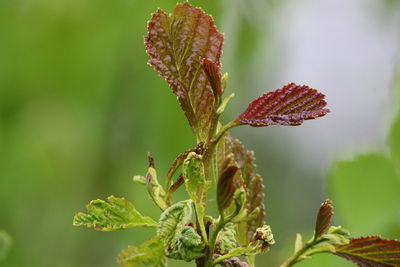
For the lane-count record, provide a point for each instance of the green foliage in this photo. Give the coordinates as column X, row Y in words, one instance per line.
column 113, row 214
column 172, row 221
column 148, row 254
column 184, row 48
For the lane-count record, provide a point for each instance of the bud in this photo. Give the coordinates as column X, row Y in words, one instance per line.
column 226, row 187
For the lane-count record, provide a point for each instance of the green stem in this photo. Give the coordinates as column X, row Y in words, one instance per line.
column 295, row 258
column 212, row 241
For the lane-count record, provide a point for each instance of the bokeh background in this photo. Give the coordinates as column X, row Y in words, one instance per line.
column 80, row 109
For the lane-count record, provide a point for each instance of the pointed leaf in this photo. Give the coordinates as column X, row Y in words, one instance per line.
column 213, row 73
column 290, row 105
column 175, row 45
column 148, row 254
column 323, row 218
column 112, row 214
column 249, row 179
column 371, row 251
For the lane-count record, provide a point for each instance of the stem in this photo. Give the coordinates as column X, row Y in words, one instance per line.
column 296, row 257
column 212, row 241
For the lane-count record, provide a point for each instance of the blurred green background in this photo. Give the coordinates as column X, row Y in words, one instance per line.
column 80, row 109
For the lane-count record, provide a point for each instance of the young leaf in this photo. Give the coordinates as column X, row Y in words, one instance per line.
column 226, row 240
column 226, row 185
column 189, row 246
column 172, row 221
column 148, row 254
column 252, row 182
column 323, row 218
column 175, row 45
column 371, row 251
column 196, row 185
column 110, row 215
column 213, row 73
column 290, row 105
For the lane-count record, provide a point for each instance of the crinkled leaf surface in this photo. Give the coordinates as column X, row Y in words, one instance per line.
column 324, row 217
column 252, row 182
column 112, row 214
column 148, row 254
column 175, row 44
column 172, row 221
column 290, row 105
column 371, row 251
column 189, row 246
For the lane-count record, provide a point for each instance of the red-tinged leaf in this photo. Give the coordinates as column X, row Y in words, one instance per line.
column 226, row 184
column 371, row 251
column 175, row 45
column 290, row 105
column 250, row 180
column 323, row 218
column 213, row 73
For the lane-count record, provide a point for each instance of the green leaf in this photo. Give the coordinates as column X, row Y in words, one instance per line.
column 226, row 240
column 148, row 254
column 112, row 214
column 190, row 246
column 155, row 190
column 175, row 45
column 5, row 244
column 250, row 181
column 371, row 251
column 262, row 240
column 196, row 186
column 366, row 194
column 172, row 221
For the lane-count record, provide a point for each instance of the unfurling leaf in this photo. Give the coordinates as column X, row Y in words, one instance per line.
column 196, row 185
column 249, row 180
column 262, row 240
column 290, row 105
column 172, row 221
column 113, row 214
column 323, row 218
column 226, row 240
column 226, row 185
column 213, row 73
column 155, row 190
column 189, row 246
column 148, row 254
column 371, row 251
column 175, row 45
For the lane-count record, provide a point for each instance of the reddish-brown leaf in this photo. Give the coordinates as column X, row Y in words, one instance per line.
column 175, row 44
column 226, row 185
column 371, row 251
column 250, row 180
column 290, row 105
column 213, row 73
column 323, row 218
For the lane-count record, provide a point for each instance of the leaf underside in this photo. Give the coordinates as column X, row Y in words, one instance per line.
column 113, row 214
column 175, row 45
column 371, row 251
column 289, row 106
column 251, row 181
column 323, row 218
